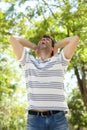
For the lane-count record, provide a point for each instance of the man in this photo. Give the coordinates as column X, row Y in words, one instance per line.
column 45, row 80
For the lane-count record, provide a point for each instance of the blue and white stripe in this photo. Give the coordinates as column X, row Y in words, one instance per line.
column 45, row 81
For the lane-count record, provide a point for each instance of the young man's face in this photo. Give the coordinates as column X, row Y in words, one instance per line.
column 45, row 46
column 45, row 43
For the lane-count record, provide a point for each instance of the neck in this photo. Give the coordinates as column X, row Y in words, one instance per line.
column 44, row 56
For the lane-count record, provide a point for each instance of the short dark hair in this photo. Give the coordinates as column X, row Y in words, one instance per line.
column 47, row 36
column 53, row 41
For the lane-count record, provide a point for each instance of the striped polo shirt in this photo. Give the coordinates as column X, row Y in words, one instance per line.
column 45, row 81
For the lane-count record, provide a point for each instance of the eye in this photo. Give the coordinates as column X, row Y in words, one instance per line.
column 48, row 39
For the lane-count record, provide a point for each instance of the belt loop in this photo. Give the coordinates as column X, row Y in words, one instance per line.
column 43, row 115
column 51, row 112
column 38, row 113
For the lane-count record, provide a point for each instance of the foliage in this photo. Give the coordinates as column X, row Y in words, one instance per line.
column 59, row 19
column 78, row 114
column 12, row 114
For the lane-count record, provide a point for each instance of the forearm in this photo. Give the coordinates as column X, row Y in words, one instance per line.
column 24, row 42
column 66, row 41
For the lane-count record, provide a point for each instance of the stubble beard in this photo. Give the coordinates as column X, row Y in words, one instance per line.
column 43, row 50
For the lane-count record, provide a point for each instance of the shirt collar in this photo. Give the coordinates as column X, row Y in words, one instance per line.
column 43, row 61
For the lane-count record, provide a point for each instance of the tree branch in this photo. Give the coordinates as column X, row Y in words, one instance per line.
column 49, row 9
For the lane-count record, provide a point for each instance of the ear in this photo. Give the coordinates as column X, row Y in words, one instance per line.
column 55, row 50
column 52, row 49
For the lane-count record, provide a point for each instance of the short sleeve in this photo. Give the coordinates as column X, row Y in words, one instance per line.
column 64, row 60
column 25, row 57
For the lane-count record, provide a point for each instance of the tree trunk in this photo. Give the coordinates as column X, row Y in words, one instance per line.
column 81, row 78
column 79, row 128
column 0, row 127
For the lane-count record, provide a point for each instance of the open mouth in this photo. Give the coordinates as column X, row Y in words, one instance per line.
column 42, row 42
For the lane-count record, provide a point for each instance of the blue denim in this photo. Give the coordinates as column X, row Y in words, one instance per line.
column 54, row 122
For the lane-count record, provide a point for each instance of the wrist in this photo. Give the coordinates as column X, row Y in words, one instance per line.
column 34, row 47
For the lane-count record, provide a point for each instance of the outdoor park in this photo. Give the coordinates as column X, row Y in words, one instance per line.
column 31, row 19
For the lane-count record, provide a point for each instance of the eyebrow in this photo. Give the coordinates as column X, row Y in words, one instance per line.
column 46, row 38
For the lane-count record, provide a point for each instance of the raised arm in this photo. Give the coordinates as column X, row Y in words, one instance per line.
column 18, row 44
column 69, row 45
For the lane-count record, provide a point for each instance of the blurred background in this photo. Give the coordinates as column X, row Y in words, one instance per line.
column 31, row 19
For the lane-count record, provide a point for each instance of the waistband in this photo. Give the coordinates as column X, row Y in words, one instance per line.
column 43, row 114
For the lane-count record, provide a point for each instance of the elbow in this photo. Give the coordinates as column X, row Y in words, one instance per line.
column 11, row 38
column 77, row 39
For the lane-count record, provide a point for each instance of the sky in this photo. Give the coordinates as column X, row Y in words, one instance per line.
column 32, row 4
column 5, row 5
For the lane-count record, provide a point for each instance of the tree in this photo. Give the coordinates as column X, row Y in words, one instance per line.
column 78, row 114
column 59, row 19
column 13, row 113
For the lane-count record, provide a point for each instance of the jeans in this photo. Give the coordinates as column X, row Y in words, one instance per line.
column 53, row 122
